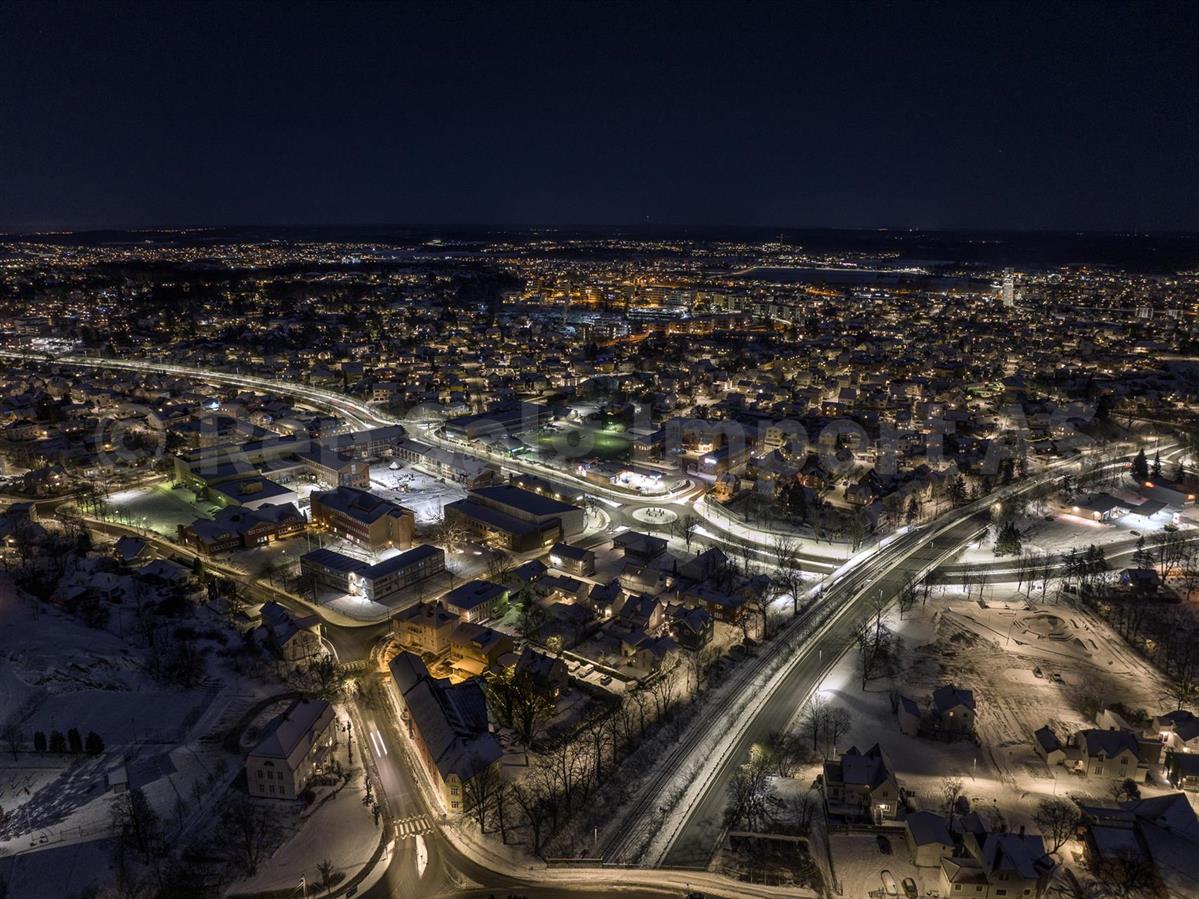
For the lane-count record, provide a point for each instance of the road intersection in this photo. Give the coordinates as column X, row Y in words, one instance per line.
column 774, row 686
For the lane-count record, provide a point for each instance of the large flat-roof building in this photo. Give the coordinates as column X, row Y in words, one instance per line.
column 366, row 519
column 237, row 527
column 379, row 582
column 339, row 468
column 251, row 493
column 516, row 519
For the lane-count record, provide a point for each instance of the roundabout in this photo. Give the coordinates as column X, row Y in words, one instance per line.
column 655, row 515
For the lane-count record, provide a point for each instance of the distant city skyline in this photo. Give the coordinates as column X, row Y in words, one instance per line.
column 931, row 116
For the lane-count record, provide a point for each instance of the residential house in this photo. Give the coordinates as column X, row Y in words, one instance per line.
column 639, row 548
column 908, row 713
column 292, row 749
column 1000, row 864
column 641, row 613
column 1178, row 731
column 544, row 674
column 692, row 628
column 862, row 783
column 291, row 638
column 425, row 629
column 1161, row 831
column 951, row 713
column 475, row 600
column 1048, row 746
column 1111, row 754
column 645, row 652
column 606, row 600
column 476, row 648
column 928, row 838
column 572, row 559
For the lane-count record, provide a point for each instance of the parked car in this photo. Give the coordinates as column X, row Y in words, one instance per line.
column 606, row 679
column 1037, row 672
column 909, row 888
column 884, row 844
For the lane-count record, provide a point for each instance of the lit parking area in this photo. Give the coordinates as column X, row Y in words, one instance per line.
column 423, row 493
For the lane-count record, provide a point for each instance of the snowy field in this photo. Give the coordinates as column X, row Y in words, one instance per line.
column 160, row 507
column 993, row 652
column 424, row 494
column 57, row 674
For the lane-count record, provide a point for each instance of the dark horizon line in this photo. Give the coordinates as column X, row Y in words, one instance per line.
column 84, row 230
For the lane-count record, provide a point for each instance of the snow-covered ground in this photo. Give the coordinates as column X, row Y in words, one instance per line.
column 341, row 830
column 955, row 641
column 424, row 494
column 58, row 674
column 160, row 507
column 1058, row 530
column 859, row 862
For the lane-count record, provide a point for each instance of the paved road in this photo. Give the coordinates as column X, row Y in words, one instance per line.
column 361, row 416
column 696, row 841
column 431, row 870
column 690, row 830
column 431, row 865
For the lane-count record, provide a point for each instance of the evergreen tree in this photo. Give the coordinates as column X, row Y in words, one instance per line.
column 1140, row 466
column 913, row 511
column 39, row 741
column 1141, row 557
column 58, row 743
column 1156, row 471
column 93, row 744
column 1008, row 541
column 75, row 741
column 957, row 491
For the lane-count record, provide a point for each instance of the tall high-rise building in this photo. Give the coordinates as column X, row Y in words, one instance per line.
column 1008, row 290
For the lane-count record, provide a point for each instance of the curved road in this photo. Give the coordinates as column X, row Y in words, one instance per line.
column 691, row 832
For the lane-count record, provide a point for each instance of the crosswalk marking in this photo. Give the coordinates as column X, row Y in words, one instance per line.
column 410, row 827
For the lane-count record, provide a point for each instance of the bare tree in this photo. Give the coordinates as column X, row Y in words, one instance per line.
column 952, row 791
column 788, row 575
column 877, row 646
column 325, row 869
column 479, row 792
column 908, row 596
column 688, row 525
column 836, row 725
column 534, row 805
column 804, row 807
column 1058, row 819
column 749, row 792
column 1127, row 875
column 136, row 824
column 13, row 738
column 247, row 832
column 812, row 719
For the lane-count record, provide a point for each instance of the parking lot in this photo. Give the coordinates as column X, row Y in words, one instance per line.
column 419, row 491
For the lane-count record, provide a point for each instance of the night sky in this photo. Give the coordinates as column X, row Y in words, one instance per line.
column 1008, row 116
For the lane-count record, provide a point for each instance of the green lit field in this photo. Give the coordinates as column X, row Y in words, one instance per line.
column 584, row 441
